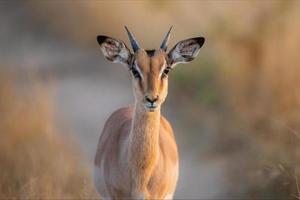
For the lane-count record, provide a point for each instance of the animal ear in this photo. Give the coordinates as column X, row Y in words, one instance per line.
column 114, row 50
column 185, row 50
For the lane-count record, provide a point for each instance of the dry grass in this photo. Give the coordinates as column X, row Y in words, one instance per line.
column 260, row 74
column 245, row 100
column 255, row 78
column 35, row 160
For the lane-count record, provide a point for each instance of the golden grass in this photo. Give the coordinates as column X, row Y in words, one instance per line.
column 260, row 74
column 36, row 161
column 255, row 75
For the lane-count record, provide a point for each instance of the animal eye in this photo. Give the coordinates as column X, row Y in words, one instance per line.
column 135, row 73
column 166, row 71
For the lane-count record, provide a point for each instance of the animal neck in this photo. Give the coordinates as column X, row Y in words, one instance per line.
column 144, row 144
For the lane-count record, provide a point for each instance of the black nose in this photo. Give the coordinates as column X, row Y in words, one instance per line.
column 151, row 100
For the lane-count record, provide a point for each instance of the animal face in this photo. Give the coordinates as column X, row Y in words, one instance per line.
column 150, row 68
column 150, row 78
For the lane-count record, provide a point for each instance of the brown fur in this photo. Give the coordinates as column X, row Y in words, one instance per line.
column 137, row 154
column 148, row 171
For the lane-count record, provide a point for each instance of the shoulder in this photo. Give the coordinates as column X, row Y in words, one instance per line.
column 117, row 124
column 121, row 114
column 118, row 120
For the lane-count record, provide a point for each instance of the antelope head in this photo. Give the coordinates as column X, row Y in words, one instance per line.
column 150, row 68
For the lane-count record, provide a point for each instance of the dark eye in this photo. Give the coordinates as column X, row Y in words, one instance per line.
column 166, row 71
column 135, row 73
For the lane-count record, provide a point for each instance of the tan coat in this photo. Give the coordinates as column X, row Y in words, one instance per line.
column 138, row 164
column 137, row 155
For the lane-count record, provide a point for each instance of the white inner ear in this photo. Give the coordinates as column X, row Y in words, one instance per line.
column 190, row 49
column 186, row 48
column 116, row 52
column 106, row 50
column 124, row 54
column 176, row 54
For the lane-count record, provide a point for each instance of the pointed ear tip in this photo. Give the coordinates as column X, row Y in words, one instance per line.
column 200, row 40
column 101, row 39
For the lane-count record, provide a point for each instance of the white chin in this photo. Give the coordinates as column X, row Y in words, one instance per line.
column 151, row 108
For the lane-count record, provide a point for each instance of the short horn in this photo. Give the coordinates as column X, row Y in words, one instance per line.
column 164, row 44
column 135, row 45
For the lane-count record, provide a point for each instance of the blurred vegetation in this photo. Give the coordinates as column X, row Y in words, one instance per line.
column 252, row 86
column 199, row 81
column 36, row 161
column 239, row 102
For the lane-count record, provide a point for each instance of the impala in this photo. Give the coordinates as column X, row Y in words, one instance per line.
column 137, row 154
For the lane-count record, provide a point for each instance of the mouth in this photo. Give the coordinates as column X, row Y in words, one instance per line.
column 151, row 106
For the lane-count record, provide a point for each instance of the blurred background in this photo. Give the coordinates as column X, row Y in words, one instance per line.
column 234, row 110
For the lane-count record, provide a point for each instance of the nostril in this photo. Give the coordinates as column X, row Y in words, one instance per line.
column 148, row 99
column 151, row 100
